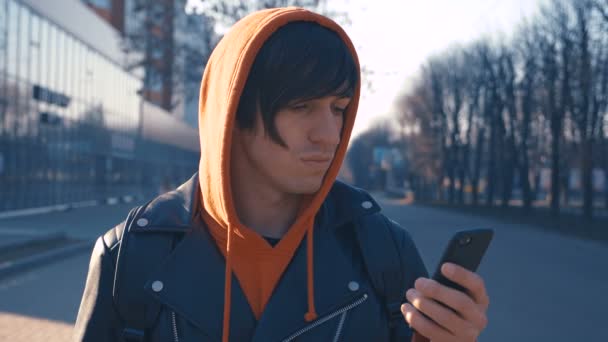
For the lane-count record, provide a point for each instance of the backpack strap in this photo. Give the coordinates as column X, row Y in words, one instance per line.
column 138, row 255
column 390, row 271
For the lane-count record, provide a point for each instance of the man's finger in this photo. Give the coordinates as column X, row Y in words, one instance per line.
column 423, row 325
column 443, row 316
column 469, row 280
column 454, row 299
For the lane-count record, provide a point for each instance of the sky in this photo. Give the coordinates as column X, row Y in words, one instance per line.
column 395, row 37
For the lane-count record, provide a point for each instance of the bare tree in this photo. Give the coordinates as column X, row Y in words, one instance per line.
column 453, row 101
column 177, row 61
column 589, row 105
column 602, row 7
column 538, row 101
column 601, row 98
column 510, row 162
column 581, row 106
column 424, row 145
column 433, row 78
column 556, row 49
column 601, row 106
column 473, row 87
column 527, row 51
column 493, row 108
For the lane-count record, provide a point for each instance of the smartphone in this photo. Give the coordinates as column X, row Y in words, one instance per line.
column 466, row 248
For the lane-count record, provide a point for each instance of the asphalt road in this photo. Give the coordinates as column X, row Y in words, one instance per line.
column 543, row 287
column 41, row 305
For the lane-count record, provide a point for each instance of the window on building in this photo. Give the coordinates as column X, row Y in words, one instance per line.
column 3, row 33
column 12, row 38
column 24, row 43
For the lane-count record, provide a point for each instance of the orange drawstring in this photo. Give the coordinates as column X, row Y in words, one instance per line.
column 311, row 315
column 227, row 288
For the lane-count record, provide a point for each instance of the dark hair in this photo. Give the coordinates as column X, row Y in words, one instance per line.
column 300, row 61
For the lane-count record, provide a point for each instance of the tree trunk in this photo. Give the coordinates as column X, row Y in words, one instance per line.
column 525, row 181
column 491, row 179
column 526, row 106
column 606, row 178
column 465, row 168
column 564, row 186
column 587, row 169
column 586, row 116
column 509, row 172
column 555, row 169
column 537, row 184
column 463, row 172
column 444, row 171
column 451, row 172
column 605, row 168
column 524, row 170
column 477, row 167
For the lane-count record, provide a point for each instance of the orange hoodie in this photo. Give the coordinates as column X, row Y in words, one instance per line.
column 256, row 265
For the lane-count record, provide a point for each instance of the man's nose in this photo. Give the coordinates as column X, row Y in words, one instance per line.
column 327, row 129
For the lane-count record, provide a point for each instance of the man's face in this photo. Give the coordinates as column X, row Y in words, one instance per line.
column 310, row 129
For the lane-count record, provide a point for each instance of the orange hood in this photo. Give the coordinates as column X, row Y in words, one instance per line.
column 221, row 87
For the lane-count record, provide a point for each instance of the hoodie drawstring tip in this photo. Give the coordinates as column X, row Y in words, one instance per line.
column 310, row 316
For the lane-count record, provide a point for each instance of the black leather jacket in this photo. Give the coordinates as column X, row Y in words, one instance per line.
column 192, row 278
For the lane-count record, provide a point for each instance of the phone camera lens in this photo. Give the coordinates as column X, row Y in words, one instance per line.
column 465, row 240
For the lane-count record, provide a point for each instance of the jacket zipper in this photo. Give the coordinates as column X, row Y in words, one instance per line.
column 340, row 326
column 327, row 318
column 174, row 321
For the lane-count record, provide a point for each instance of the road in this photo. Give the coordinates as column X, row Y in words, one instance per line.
column 41, row 305
column 543, row 287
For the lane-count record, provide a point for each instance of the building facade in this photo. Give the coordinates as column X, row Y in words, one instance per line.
column 174, row 45
column 73, row 127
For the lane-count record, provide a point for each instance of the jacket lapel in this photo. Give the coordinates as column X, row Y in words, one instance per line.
column 333, row 272
column 193, row 287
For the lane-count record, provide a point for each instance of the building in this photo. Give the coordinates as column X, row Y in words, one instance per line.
column 72, row 125
column 172, row 43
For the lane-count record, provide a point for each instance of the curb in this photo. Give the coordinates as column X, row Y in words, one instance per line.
column 68, row 206
column 29, row 240
column 33, row 211
column 11, row 267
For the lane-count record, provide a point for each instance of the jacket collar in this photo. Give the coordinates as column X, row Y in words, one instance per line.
column 176, row 210
column 172, row 211
column 193, row 287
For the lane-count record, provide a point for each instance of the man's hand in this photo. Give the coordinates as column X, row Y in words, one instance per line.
column 462, row 316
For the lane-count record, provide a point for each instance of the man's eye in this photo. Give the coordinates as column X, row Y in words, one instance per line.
column 340, row 110
column 301, row 106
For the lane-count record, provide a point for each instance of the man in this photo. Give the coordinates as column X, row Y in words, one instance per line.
column 262, row 241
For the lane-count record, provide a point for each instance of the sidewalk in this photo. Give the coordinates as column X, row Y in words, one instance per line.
column 18, row 328
column 80, row 223
column 32, row 240
column 567, row 223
